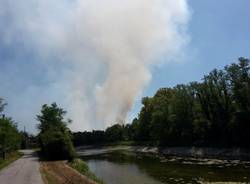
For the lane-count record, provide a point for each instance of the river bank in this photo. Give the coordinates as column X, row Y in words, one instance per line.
column 133, row 164
column 192, row 152
column 57, row 172
column 221, row 153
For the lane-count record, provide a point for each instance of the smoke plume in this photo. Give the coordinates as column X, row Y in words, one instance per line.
column 97, row 54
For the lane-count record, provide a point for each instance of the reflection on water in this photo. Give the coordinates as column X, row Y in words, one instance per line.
column 113, row 173
column 124, row 167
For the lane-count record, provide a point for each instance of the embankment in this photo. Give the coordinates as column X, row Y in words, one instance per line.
column 226, row 153
column 197, row 152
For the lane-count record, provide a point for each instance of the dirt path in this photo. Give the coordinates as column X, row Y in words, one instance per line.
column 23, row 171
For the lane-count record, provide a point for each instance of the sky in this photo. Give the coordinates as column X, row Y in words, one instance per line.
column 216, row 34
column 220, row 34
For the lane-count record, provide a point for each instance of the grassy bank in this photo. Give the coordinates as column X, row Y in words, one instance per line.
column 83, row 168
column 9, row 159
column 58, row 172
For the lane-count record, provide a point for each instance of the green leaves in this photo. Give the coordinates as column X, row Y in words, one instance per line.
column 214, row 112
column 115, row 133
column 54, row 136
column 51, row 117
column 2, row 105
column 9, row 136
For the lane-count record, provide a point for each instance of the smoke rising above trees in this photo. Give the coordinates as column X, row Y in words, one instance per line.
column 96, row 54
column 212, row 113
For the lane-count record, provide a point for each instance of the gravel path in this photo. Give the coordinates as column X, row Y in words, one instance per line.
column 23, row 171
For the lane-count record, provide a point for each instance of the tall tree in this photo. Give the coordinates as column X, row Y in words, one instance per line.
column 239, row 83
column 9, row 136
column 212, row 112
column 2, row 105
column 55, row 137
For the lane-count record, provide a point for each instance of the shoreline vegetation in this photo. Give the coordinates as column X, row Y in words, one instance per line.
column 59, row 163
column 197, row 120
column 182, row 152
column 209, row 118
column 83, row 168
column 214, row 112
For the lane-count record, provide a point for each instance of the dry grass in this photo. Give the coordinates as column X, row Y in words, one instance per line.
column 9, row 159
column 58, row 172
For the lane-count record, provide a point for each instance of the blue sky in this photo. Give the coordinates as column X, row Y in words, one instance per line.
column 219, row 32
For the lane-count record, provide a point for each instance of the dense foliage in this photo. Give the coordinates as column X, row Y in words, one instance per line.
column 9, row 136
column 213, row 112
column 54, row 136
column 112, row 134
column 88, row 138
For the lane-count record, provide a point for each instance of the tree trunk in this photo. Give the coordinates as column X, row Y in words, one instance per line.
column 3, row 155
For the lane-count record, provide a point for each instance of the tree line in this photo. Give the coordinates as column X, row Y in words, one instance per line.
column 214, row 112
column 10, row 138
column 54, row 138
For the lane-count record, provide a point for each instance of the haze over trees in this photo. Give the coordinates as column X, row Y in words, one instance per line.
column 214, row 112
column 54, row 136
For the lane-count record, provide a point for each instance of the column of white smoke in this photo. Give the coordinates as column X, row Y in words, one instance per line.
column 119, row 38
column 128, row 36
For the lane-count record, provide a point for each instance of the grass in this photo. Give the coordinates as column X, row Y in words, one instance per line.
column 11, row 157
column 83, row 168
column 47, row 177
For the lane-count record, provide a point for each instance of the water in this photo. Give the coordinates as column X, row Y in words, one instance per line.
column 126, row 167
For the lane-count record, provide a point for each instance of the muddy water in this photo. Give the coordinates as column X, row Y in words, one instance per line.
column 126, row 167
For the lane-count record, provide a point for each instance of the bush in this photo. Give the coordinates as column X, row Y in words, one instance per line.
column 54, row 136
column 9, row 136
column 57, row 145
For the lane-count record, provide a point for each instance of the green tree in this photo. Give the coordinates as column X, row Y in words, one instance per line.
column 145, row 117
column 212, row 112
column 181, row 113
column 160, row 125
column 9, row 135
column 115, row 133
column 55, row 137
column 215, row 102
column 2, row 105
column 133, row 130
column 239, row 83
